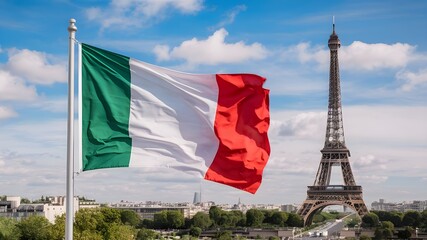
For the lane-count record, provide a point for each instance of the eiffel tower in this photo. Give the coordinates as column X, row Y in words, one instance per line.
column 334, row 153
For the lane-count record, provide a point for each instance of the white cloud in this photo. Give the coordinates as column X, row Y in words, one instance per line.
column 366, row 160
column 304, row 52
column 162, row 52
column 412, row 79
column 373, row 179
column 136, row 13
column 386, row 124
column 8, row 169
column 370, row 161
column 34, row 137
column 304, row 125
column 212, row 51
column 358, row 55
column 35, row 67
column 14, row 88
column 230, row 16
column 153, row 7
column 56, row 105
column 6, row 112
column 364, row 56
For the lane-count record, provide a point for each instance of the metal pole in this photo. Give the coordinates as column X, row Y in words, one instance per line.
column 70, row 136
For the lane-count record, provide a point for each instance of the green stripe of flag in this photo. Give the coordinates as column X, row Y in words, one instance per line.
column 105, row 109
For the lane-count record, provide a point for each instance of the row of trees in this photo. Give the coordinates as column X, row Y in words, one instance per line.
column 90, row 224
column 218, row 218
column 113, row 224
column 385, row 223
column 412, row 219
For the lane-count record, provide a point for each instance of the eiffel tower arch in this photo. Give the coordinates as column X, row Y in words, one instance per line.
column 334, row 154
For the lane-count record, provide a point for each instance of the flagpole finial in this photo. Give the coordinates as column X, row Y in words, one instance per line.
column 72, row 27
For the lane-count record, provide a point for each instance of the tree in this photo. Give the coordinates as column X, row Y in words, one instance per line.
column 168, row 219
column 396, row 219
column 388, row 233
column 175, row 219
column 294, row 220
column 224, row 235
column 147, row 223
column 215, row 214
column 411, row 219
column 254, row 217
column 352, row 223
column 130, row 217
column 387, row 225
column 267, row 215
column 279, row 218
column 239, row 219
column 87, row 235
column 104, row 223
column 34, row 228
column 144, row 234
column 160, row 220
column 201, row 220
column 424, row 219
column 318, row 218
column 8, row 229
column 116, row 231
column 227, row 220
column 88, row 220
column 111, row 215
column 364, row 237
column 195, row 231
column 370, row 220
column 25, row 200
column 405, row 234
column 57, row 230
column 385, row 231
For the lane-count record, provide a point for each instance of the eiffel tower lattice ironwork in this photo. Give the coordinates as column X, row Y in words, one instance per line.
column 334, row 153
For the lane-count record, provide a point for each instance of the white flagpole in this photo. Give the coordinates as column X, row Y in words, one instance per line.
column 70, row 135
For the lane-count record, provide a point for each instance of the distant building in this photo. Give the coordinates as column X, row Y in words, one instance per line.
column 382, row 205
column 197, row 198
column 88, row 204
column 290, row 208
column 50, row 208
column 148, row 209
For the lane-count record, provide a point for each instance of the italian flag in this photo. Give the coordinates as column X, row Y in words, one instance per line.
column 134, row 114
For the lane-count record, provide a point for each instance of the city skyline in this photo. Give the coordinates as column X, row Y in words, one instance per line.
column 383, row 58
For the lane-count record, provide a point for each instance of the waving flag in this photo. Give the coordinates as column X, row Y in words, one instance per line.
column 134, row 114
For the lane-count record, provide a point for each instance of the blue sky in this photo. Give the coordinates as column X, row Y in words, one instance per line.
column 383, row 61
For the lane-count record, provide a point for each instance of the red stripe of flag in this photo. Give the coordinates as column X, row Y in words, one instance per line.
column 241, row 124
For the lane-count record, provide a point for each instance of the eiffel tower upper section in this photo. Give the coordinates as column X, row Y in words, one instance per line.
column 334, row 152
column 334, row 139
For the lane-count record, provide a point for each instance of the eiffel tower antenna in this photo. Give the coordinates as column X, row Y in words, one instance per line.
column 333, row 24
column 334, row 153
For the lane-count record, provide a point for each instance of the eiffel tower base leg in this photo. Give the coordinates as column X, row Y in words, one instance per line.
column 319, row 198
